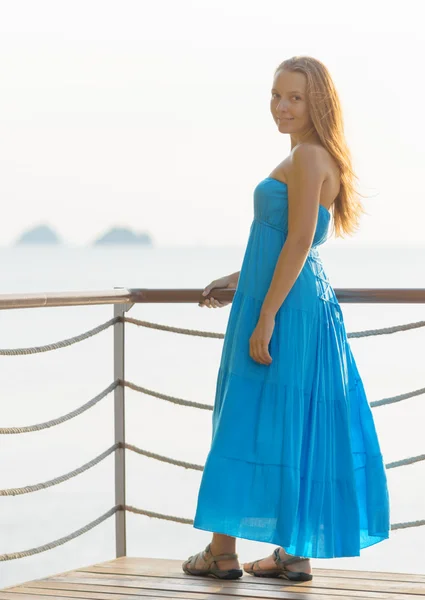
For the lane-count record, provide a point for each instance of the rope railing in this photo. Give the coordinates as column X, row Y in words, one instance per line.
column 386, row 330
column 138, row 511
column 186, row 465
column 59, row 420
column 62, row 540
column 165, row 517
column 61, row 344
column 161, row 396
column 169, row 328
column 46, row 484
column 181, row 402
column 165, row 459
column 398, row 398
column 173, row 399
column 193, row 332
column 405, row 461
column 220, row 336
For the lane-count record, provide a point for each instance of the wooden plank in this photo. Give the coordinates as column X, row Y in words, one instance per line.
column 370, row 575
column 83, row 596
column 172, row 567
column 112, row 593
column 62, row 573
column 129, row 578
column 108, row 593
column 207, row 588
column 316, row 586
column 135, row 569
column 322, row 583
column 249, row 586
column 260, row 591
column 115, row 593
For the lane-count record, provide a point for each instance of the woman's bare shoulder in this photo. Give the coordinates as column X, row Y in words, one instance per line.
column 309, row 151
column 307, row 159
column 314, row 156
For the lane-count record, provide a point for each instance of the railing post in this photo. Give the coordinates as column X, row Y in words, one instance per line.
column 119, row 425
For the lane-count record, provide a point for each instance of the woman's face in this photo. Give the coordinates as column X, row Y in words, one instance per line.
column 288, row 102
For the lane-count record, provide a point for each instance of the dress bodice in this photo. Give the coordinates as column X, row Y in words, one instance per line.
column 271, row 208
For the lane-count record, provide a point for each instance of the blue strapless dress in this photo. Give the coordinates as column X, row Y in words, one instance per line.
column 295, row 458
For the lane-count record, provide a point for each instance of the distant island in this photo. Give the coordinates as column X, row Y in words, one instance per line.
column 39, row 235
column 43, row 234
column 122, row 235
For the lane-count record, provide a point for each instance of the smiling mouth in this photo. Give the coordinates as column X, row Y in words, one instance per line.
column 291, row 119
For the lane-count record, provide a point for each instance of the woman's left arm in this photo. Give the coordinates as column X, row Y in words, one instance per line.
column 304, row 180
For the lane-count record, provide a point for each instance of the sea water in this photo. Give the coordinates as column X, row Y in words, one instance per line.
column 43, row 386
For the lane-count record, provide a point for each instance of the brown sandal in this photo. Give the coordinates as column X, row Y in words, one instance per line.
column 280, row 570
column 209, row 570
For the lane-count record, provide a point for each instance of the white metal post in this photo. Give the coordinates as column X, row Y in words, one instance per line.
column 119, row 422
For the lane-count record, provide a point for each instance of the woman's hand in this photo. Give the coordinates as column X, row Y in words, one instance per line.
column 260, row 340
column 228, row 281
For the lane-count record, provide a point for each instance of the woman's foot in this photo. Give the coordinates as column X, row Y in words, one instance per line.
column 269, row 564
column 217, row 560
column 221, row 564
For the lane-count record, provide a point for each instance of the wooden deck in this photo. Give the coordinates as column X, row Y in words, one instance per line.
column 134, row 578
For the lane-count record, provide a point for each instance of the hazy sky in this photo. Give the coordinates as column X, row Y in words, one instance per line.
column 155, row 115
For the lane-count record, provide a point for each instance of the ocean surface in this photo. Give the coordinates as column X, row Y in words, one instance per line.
column 43, row 386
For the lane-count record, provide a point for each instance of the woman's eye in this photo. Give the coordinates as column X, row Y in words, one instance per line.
column 274, row 94
column 297, row 97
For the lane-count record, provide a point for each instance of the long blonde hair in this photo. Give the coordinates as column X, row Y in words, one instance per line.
column 326, row 115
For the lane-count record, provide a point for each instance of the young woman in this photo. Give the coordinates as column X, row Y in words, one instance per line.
column 295, row 458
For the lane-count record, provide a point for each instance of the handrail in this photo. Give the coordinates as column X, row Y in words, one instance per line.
column 38, row 300
column 136, row 296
